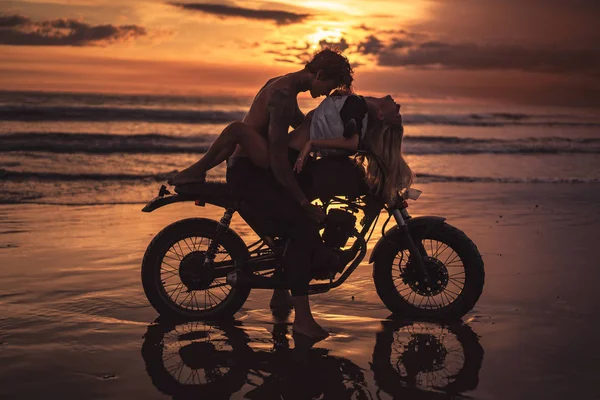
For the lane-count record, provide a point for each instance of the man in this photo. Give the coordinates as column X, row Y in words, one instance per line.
column 279, row 207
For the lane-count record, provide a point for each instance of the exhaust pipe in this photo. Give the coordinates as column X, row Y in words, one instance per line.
column 244, row 279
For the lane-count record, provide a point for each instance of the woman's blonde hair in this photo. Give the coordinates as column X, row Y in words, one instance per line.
column 384, row 141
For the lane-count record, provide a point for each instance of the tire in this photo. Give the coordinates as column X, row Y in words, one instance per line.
column 154, row 269
column 196, row 360
column 416, row 359
column 396, row 293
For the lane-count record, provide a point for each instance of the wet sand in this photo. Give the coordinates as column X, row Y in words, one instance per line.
column 74, row 322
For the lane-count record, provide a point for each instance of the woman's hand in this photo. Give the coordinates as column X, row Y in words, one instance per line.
column 302, row 157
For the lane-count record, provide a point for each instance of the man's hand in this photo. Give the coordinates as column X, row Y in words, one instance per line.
column 314, row 212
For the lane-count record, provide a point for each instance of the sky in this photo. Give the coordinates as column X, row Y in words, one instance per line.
column 537, row 52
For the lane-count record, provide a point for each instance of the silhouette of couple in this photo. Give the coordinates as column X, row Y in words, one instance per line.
column 274, row 171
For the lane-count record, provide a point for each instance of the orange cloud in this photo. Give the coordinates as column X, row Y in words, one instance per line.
column 280, row 17
column 19, row 30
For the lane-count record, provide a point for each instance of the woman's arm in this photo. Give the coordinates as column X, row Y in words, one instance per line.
column 350, row 143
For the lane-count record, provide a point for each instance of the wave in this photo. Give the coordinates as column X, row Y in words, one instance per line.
column 90, row 113
column 115, row 114
column 431, row 178
column 498, row 120
column 104, row 143
column 8, row 175
column 424, row 145
column 163, row 144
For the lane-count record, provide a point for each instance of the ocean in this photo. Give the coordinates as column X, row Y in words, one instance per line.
column 85, row 149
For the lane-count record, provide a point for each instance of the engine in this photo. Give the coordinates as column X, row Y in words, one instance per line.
column 339, row 226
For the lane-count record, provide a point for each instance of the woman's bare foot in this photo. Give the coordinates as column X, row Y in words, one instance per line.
column 311, row 330
column 187, row 176
column 304, row 323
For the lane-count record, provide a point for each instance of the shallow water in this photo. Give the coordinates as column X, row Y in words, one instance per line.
column 74, row 321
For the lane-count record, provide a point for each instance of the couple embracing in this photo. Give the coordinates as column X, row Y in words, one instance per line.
column 274, row 171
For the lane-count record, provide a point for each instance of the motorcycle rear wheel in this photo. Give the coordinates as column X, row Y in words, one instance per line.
column 455, row 265
column 175, row 255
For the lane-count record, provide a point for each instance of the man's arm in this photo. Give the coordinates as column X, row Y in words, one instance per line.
column 281, row 109
column 298, row 117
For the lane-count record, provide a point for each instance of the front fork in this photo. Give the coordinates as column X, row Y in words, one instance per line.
column 213, row 245
column 416, row 255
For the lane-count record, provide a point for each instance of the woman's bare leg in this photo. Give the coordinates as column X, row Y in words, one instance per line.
column 235, row 133
column 304, row 322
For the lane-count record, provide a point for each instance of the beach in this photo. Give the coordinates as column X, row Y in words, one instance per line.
column 490, row 111
column 74, row 320
column 76, row 170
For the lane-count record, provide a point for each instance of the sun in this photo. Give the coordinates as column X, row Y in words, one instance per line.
column 330, row 6
column 330, row 34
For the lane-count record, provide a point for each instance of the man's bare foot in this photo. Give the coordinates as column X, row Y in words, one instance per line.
column 311, row 330
column 281, row 299
column 186, row 177
column 281, row 304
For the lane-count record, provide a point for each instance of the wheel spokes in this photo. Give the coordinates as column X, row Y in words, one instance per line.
column 450, row 283
column 178, row 292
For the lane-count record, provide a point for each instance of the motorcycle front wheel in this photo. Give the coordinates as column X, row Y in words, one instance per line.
column 455, row 276
column 176, row 280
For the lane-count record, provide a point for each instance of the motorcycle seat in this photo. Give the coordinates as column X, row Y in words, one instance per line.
column 212, row 192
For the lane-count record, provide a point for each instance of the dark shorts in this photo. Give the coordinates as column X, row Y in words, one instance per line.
column 271, row 211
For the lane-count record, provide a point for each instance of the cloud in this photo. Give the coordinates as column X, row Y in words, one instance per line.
column 302, row 53
column 471, row 56
column 399, row 43
column 18, row 30
column 285, row 60
column 278, row 16
column 371, row 45
column 12, row 21
column 364, row 27
column 342, row 45
column 420, row 52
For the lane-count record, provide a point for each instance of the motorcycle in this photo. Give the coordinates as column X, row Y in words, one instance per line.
column 198, row 268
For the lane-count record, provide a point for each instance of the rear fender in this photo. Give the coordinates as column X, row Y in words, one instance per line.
column 216, row 193
column 159, row 201
column 418, row 228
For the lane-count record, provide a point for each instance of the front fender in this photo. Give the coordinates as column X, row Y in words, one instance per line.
column 418, row 228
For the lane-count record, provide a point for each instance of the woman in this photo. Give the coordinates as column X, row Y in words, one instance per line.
column 381, row 139
column 342, row 121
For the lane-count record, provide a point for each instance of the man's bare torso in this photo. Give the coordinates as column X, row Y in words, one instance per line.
column 258, row 115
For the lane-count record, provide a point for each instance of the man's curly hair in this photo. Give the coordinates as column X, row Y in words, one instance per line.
column 334, row 65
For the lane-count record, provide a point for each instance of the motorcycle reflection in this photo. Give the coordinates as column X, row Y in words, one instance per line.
column 414, row 360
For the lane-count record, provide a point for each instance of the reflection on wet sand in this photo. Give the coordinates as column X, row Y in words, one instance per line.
column 412, row 360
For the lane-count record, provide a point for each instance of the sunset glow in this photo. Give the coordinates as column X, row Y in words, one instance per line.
column 179, row 46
